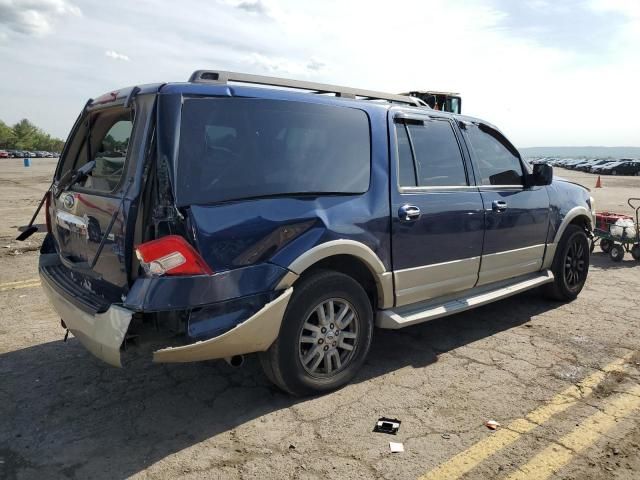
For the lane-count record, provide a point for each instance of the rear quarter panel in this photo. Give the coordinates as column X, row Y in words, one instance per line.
column 279, row 230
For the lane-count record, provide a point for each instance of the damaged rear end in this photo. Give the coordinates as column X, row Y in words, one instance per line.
column 126, row 265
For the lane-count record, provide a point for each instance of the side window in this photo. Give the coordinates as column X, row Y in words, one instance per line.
column 406, row 170
column 437, row 153
column 237, row 148
column 497, row 160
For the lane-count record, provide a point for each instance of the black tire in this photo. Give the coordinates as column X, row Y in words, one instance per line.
column 616, row 253
column 324, row 291
column 570, row 265
column 635, row 252
column 605, row 245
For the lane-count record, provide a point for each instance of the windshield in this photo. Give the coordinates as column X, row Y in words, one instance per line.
column 234, row 148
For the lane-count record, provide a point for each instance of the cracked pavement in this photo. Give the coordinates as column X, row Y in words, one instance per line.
column 64, row 414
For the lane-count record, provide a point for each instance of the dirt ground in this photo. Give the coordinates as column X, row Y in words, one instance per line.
column 561, row 379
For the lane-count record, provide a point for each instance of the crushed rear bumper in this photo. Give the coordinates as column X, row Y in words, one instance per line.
column 101, row 333
column 256, row 334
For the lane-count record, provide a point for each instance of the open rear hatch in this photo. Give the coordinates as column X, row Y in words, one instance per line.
column 92, row 207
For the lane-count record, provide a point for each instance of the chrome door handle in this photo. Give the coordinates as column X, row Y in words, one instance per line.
column 409, row 213
column 499, row 206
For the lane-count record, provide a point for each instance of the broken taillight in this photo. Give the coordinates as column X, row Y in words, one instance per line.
column 171, row 255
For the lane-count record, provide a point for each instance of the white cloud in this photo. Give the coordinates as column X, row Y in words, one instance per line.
column 630, row 8
column 284, row 66
column 34, row 17
column 538, row 91
column 316, row 65
column 258, row 7
column 116, row 56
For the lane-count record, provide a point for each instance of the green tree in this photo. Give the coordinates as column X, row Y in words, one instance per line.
column 26, row 135
column 7, row 137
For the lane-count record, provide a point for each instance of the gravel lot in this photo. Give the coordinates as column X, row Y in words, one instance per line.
column 562, row 380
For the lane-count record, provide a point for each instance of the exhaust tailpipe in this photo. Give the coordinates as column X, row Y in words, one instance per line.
column 235, row 361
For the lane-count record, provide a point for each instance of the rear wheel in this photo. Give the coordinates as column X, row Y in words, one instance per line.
column 325, row 335
column 605, row 245
column 616, row 253
column 570, row 265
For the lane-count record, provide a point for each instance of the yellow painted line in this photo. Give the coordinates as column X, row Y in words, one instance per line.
column 16, row 287
column 470, row 458
column 555, row 456
column 31, row 280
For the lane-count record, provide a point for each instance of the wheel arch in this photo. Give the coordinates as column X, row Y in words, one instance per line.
column 576, row 216
column 351, row 258
column 580, row 216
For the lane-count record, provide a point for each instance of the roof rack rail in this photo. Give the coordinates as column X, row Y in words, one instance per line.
column 223, row 77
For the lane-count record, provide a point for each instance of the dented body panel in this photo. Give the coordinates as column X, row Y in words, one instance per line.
column 259, row 246
column 256, row 334
column 100, row 333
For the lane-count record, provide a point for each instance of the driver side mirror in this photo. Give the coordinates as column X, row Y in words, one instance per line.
column 542, row 174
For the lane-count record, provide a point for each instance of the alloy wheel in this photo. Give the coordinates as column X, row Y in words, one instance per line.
column 575, row 264
column 328, row 338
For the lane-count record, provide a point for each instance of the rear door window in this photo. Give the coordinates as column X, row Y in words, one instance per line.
column 429, row 155
column 235, row 148
column 406, row 166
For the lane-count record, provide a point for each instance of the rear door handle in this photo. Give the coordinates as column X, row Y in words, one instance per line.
column 409, row 213
column 499, row 206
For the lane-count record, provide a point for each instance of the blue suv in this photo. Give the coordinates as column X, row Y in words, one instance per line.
column 236, row 214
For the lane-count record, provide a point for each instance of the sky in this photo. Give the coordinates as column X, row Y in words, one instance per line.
column 547, row 73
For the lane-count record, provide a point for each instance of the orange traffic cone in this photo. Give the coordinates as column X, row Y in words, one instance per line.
column 598, row 182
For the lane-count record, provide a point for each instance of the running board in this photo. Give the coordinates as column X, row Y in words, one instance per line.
column 413, row 314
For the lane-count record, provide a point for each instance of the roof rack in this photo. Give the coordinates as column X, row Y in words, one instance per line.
column 223, row 77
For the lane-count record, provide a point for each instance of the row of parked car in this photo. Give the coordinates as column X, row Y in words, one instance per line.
column 27, row 154
column 600, row 166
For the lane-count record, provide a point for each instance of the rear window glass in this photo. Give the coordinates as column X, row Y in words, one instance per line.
column 234, row 148
column 109, row 132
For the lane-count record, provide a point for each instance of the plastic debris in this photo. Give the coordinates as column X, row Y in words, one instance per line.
column 492, row 424
column 387, row 425
column 446, row 436
column 396, row 447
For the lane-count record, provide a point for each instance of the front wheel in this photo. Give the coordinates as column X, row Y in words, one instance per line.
column 570, row 265
column 635, row 252
column 325, row 335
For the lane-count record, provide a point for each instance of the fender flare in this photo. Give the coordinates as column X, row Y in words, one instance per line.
column 571, row 215
column 383, row 279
